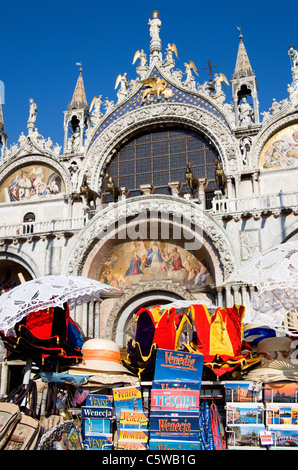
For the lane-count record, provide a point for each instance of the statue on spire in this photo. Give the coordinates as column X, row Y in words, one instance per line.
column 154, row 29
column 32, row 115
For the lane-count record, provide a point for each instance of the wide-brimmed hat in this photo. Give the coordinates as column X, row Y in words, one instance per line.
column 276, row 354
column 271, row 349
column 99, row 355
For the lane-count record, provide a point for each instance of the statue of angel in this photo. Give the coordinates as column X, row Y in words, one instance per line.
column 142, row 57
column 96, row 114
column 123, row 92
column 143, row 66
column 109, row 105
column 189, row 68
column 169, row 62
column 219, row 80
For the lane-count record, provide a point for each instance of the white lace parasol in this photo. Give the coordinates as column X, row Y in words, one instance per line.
column 274, row 273
column 44, row 292
column 272, row 268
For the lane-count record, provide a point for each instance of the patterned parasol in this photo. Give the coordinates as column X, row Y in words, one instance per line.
column 47, row 291
column 274, row 274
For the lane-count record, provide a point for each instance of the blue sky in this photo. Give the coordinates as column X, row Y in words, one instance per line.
column 42, row 41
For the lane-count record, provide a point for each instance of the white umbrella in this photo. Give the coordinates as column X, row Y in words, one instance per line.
column 274, row 273
column 47, row 291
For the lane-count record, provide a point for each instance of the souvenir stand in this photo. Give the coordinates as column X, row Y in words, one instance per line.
column 190, row 379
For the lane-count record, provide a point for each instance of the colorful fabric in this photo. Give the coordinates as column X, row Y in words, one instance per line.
column 219, row 338
column 218, row 432
column 153, row 330
column 205, row 427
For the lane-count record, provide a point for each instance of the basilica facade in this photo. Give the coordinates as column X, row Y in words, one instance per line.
column 160, row 192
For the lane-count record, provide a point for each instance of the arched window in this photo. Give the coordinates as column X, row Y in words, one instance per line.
column 28, row 223
column 159, row 156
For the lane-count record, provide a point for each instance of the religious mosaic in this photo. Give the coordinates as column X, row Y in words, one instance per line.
column 153, row 260
column 31, row 182
column 281, row 151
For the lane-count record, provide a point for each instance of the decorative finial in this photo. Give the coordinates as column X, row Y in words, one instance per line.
column 80, row 65
column 240, row 35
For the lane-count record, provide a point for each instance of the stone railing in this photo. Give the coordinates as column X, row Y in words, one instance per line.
column 38, row 228
column 255, row 205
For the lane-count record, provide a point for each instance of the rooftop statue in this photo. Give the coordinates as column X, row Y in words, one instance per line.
column 169, row 62
column 123, row 82
column 154, row 26
column 143, row 65
column 32, row 114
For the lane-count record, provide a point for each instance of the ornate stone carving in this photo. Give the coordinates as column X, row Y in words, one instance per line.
column 102, row 228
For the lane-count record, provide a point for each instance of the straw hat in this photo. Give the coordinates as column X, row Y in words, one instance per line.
column 275, row 348
column 277, row 361
column 99, row 355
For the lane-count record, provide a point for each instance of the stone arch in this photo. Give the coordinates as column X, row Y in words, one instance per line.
column 274, row 125
column 197, row 119
column 27, row 264
column 103, row 228
column 35, row 159
column 141, row 296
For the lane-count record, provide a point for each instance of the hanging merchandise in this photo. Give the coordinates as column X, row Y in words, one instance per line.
column 45, row 335
column 154, row 329
column 217, row 427
column 218, row 337
column 18, row 414
column 205, row 427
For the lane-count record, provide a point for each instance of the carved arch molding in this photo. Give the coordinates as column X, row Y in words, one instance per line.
column 104, row 229
column 118, row 217
column 203, row 121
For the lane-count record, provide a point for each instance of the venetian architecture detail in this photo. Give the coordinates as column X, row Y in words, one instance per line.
column 160, row 190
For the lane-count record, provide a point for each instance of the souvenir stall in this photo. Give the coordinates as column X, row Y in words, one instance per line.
column 195, row 377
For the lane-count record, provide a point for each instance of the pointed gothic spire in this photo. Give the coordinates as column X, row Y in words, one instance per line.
column 243, row 67
column 79, row 100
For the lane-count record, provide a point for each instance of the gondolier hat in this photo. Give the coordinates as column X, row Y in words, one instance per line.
column 99, row 355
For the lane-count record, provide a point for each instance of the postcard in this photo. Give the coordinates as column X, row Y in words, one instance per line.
column 244, row 413
column 282, row 413
column 242, row 391
column 244, row 435
column 281, row 392
column 284, row 436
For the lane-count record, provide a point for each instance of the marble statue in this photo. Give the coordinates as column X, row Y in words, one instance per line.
column 154, row 26
column 245, row 112
column 32, row 112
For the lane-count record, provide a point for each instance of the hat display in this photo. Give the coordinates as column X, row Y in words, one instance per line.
column 276, row 354
column 99, row 355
